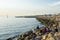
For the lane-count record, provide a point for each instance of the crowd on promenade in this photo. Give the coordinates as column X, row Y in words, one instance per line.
column 45, row 33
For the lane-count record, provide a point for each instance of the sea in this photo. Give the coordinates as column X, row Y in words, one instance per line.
column 11, row 26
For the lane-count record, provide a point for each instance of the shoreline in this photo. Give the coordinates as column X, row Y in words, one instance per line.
column 45, row 21
column 16, row 36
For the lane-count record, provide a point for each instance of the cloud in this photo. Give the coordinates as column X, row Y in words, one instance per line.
column 55, row 4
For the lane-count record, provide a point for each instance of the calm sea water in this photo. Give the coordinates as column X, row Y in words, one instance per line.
column 12, row 26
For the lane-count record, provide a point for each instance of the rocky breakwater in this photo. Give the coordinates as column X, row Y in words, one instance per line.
column 49, row 20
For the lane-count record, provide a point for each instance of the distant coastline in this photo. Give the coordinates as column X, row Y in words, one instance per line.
column 25, row 16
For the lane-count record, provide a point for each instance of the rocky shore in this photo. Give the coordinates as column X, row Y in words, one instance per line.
column 51, row 30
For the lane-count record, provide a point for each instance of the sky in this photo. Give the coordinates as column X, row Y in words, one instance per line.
column 29, row 7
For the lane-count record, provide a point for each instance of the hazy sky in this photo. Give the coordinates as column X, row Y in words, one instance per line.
column 29, row 7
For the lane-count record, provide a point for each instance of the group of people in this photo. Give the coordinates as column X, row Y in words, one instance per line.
column 45, row 33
